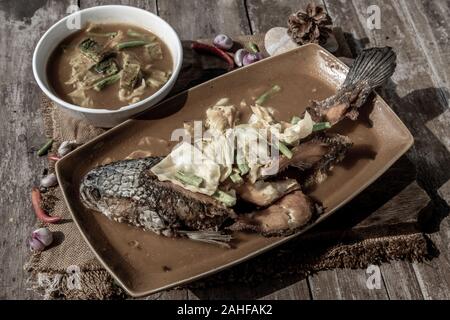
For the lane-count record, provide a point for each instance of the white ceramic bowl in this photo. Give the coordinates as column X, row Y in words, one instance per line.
column 103, row 14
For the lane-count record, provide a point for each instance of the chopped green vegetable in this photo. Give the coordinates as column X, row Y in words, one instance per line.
column 106, row 35
column 107, row 67
column 106, row 81
column 285, row 150
column 243, row 168
column 131, row 74
column 236, row 178
column 295, row 120
column 136, row 34
column 190, row 179
column 131, row 44
column 133, row 33
column 266, row 95
column 154, row 51
column 44, row 149
column 92, row 50
column 253, row 47
column 321, row 126
column 225, row 198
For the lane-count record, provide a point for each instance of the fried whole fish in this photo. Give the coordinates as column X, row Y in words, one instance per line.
column 127, row 191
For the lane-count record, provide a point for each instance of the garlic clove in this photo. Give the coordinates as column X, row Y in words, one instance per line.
column 35, row 245
column 222, row 41
column 239, row 57
column 65, row 147
column 49, row 181
column 43, row 235
column 250, row 58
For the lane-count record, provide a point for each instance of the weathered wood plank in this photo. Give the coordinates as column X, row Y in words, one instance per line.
column 205, row 18
column 417, row 101
column 149, row 5
column 400, row 280
column 325, row 286
column 181, row 294
column 295, row 291
column 265, row 14
column 347, row 284
column 276, row 289
column 429, row 20
column 23, row 22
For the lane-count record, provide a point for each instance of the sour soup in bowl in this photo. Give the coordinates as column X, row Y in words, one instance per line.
column 116, row 62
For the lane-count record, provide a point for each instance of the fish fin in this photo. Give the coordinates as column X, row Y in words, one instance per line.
column 374, row 66
column 212, row 237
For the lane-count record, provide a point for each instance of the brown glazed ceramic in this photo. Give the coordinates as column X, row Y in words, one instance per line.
column 144, row 263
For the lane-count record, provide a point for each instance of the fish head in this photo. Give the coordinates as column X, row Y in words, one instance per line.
column 111, row 189
column 92, row 189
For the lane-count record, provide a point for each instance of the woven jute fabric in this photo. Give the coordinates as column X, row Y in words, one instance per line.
column 68, row 269
column 52, row 271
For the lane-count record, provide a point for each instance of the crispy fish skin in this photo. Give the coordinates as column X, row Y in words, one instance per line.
column 127, row 191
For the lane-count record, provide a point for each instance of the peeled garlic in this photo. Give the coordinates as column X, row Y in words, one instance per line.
column 49, row 181
column 65, row 147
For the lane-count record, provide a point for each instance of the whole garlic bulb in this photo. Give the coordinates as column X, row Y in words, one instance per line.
column 40, row 239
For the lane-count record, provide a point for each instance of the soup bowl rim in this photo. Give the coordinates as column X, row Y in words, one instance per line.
column 161, row 93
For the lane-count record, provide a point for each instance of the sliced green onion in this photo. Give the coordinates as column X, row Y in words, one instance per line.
column 321, row 126
column 190, row 179
column 266, row 95
column 106, row 35
column 225, row 198
column 44, row 149
column 133, row 33
column 131, row 44
column 295, row 120
column 236, row 178
column 253, row 47
column 243, row 168
column 285, row 150
column 106, row 81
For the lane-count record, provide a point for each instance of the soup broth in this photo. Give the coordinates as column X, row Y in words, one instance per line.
column 108, row 66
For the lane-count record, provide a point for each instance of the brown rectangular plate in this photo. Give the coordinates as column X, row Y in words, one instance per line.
column 144, row 263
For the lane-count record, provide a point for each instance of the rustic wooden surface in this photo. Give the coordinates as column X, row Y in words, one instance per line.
column 418, row 93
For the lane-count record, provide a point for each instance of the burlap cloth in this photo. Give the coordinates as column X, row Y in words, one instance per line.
column 48, row 270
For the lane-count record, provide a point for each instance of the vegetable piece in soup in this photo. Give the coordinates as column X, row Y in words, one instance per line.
column 108, row 66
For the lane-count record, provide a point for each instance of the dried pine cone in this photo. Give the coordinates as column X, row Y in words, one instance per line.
column 312, row 26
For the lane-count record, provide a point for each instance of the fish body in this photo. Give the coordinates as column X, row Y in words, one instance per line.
column 127, row 191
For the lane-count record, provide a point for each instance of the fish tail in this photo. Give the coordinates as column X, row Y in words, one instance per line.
column 374, row 66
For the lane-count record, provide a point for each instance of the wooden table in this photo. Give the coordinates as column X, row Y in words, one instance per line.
column 418, row 29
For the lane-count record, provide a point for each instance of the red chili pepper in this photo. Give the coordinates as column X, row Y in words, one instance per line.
column 40, row 213
column 53, row 158
column 202, row 47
